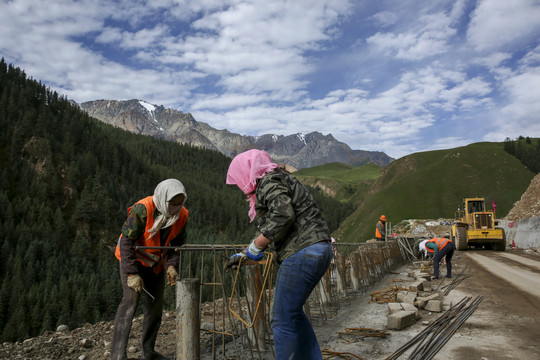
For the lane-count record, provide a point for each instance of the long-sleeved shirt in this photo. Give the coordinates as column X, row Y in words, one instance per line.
column 134, row 228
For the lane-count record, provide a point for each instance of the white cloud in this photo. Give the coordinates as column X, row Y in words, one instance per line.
column 372, row 78
column 428, row 37
column 386, row 18
column 499, row 24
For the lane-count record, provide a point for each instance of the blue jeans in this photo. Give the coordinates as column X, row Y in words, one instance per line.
column 448, row 252
column 297, row 277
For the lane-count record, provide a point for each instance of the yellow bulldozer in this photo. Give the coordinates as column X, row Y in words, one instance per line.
column 475, row 226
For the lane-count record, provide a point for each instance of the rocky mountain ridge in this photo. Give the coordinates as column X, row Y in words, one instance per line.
column 297, row 150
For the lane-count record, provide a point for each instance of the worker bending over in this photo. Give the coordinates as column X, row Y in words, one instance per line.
column 441, row 247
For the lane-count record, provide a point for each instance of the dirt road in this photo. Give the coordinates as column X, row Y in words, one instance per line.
column 506, row 325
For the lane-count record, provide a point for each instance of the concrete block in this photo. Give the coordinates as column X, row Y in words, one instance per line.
column 435, row 296
column 401, row 320
column 423, row 276
column 434, row 305
column 447, row 304
column 409, row 307
column 419, row 303
column 410, row 298
column 394, row 308
column 400, row 297
column 416, row 286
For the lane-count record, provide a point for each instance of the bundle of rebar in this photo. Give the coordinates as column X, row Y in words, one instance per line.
column 430, row 340
column 362, row 333
column 386, row 295
column 455, row 283
column 329, row 354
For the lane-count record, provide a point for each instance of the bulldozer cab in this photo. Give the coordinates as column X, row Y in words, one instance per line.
column 468, row 207
column 475, row 206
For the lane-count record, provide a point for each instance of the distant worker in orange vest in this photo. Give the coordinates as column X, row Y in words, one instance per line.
column 441, row 247
column 157, row 220
column 380, row 229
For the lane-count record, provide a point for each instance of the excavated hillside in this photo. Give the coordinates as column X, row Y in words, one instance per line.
column 529, row 204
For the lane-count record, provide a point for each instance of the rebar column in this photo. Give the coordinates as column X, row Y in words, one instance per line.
column 325, row 288
column 188, row 321
column 340, row 275
column 355, row 272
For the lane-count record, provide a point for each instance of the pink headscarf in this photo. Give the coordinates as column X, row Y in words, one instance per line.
column 244, row 171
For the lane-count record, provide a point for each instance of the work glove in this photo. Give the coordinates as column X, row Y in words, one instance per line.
column 172, row 276
column 254, row 252
column 235, row 260
column 135, row 282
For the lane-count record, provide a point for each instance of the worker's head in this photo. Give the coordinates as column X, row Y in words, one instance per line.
column 169, row 196
column 244, row 171
column 383, row 218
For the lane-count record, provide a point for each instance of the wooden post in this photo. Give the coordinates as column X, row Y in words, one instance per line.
column 256, row 333
column 188, row 321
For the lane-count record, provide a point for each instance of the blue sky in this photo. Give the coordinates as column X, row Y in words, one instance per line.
column 394, row 76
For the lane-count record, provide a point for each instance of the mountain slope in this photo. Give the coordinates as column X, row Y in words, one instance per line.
column 342, row 181
column 297, row 150
column 430, row 185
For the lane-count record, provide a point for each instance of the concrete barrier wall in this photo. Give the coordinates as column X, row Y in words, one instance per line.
column 525, row 233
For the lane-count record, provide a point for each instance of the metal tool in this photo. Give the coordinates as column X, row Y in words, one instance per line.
column 146, row 291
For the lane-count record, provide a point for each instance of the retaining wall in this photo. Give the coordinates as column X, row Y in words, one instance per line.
column 525, row 233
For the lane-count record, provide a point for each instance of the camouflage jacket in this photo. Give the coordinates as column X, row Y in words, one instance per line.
column 287, row 214
column 133, row 228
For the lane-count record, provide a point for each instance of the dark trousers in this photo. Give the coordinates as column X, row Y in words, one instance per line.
column 155, row 285
column 448, row 252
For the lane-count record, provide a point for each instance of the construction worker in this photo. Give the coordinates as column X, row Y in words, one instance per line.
column 380, row 229
column 292, row 224
column 440, row 247
column 157, row 220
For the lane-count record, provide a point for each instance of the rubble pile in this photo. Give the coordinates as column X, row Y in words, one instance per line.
column 422, row 295
column 88, row 342
column 529, row 205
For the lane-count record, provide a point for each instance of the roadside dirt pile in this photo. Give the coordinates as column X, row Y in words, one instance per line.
column 416, row 228
column 88, row 342
column 529, row 205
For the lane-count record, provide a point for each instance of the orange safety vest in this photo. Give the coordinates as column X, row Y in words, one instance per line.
column 154, row 257
column 378, row 234
column 441, row 242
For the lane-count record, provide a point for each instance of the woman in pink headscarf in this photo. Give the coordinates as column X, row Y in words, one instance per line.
column 290, row 224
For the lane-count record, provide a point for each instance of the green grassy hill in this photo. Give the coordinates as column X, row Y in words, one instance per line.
column 430, row 185
column 343, row 182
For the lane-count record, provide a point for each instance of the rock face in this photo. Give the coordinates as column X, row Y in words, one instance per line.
column 529, row 204
column 297, row 150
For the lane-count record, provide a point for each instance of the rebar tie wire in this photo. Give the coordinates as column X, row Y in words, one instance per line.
column 268, row 265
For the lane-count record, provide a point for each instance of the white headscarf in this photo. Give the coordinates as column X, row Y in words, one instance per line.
column 165, row 191
column 422, row 246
